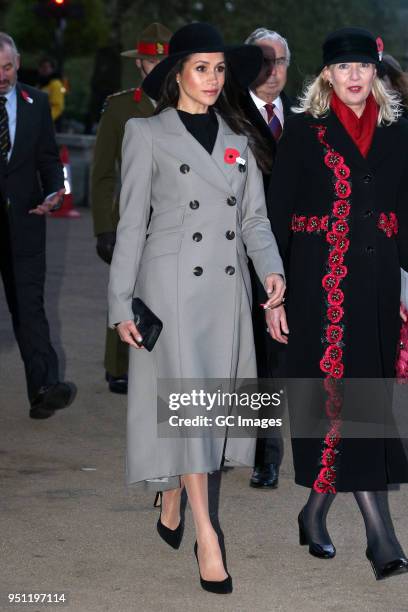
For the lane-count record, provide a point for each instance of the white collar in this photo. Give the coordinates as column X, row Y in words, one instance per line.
column 10, row 94
column 261, row 103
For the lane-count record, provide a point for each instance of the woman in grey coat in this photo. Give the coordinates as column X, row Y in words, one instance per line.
column 191, row 210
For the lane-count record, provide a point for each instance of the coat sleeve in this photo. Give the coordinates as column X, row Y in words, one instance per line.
column 48, row 159
column 104, row 171
column 402, row 214
column 284, row 184
column 135, row 197
column 256, row 229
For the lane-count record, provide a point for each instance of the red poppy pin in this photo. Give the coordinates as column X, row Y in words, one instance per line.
column 26, row 97
column 137, row 94
column 380, row 47
column 232, row 156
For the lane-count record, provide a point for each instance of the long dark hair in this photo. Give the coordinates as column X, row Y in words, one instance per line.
column 228, row 108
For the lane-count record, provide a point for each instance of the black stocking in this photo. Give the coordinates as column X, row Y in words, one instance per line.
column 314, row 516
column 381, row 538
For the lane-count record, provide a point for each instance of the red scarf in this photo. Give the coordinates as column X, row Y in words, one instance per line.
column 361, row 130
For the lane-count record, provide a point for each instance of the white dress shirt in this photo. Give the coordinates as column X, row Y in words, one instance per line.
column 260, row 105
column 11, row 108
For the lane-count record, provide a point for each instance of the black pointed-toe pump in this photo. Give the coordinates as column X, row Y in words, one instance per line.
column 220, row 587
column 172, row 537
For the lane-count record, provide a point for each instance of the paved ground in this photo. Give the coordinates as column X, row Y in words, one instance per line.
column 68, row 524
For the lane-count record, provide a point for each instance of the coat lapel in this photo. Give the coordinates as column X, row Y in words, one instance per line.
column 23, row 120
column 383, row 145
column 212, row 168
column 227, row 139
column 340, row 141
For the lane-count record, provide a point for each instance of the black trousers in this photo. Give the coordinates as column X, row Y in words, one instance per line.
column 23, row 279
column 268, row 450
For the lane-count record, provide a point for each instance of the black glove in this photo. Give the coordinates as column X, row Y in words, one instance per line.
column 105, row 243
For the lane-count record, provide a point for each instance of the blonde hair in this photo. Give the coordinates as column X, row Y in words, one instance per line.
column 317, row 94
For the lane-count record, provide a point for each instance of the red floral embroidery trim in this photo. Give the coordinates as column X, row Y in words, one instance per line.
column 388, row 224
column 331, row 364
column 311, row 225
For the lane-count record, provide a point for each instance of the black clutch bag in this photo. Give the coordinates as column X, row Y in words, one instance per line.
column 147, row 323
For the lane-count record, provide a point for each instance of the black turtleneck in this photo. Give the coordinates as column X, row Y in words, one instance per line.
column 204, row 127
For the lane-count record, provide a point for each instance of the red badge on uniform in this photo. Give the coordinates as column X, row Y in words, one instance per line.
column 137, row 94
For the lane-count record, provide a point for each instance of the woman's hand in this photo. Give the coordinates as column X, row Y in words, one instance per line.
column 277, row 324
column 129, row 333
column 403, row 313
column 275, row 288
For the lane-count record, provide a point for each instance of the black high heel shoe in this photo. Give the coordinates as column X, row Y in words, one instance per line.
column 172, row 537
column 386, row 570
column 158, row 500
column 220, row 587
column 322, row 551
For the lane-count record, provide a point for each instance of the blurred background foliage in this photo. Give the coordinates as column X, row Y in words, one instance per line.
column 92, row 44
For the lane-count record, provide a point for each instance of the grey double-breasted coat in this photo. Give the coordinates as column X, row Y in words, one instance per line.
column 188, row 221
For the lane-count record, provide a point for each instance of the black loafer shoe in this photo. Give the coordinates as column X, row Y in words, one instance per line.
column 50, row 399
column 117, row 384
column 265, row 476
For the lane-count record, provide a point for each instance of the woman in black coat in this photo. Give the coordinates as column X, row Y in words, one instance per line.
column 338, row 201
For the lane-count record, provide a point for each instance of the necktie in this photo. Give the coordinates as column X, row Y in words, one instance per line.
column 273, row 121
column 5, row 143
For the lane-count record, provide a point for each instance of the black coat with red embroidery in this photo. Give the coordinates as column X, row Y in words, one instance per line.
column 341, row 222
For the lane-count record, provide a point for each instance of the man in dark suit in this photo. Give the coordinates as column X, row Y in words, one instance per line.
column 266, row 106
column 29, row 170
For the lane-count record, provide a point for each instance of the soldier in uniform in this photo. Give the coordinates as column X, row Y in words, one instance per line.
column 151, row 48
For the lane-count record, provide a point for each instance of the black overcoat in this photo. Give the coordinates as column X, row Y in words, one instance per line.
column 33, row 171
column 341, row 222
column 267, row 352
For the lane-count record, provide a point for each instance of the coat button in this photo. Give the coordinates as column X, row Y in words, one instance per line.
column 194, row 204
column 230, row 270
column 230, row 235
column 197, row 271
column 184, row 168
column 197, row 237
column 241, row 168
column 231, row 201
column 368, row 213
column 370, row 250
column 367, row 178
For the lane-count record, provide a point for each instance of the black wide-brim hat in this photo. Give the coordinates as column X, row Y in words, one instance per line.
column 350, row 45
column 245, row 61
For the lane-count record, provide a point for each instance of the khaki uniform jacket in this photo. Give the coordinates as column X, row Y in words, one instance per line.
column 105, row 183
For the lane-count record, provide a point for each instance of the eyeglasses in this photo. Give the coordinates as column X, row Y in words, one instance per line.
column 279, row 62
